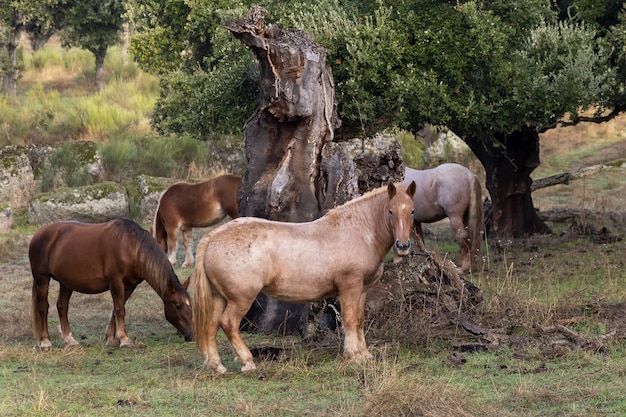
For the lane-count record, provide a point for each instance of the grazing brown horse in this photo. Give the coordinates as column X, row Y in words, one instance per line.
column 93, row 258
column 340, row 254
column 184, row 206
column 453, row 191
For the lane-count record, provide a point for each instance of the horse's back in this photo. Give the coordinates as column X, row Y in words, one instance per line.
column 441, row 191
column 81, row 254
column 200, row 204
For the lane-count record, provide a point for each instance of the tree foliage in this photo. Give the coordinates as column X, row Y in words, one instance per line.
column 480, row 67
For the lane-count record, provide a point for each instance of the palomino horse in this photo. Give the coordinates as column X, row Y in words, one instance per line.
column 184, row 206
column 93, row 258
column 453, row 191
column 340, row 254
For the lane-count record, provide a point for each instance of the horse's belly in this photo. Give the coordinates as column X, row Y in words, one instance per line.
column 72, row 276
column 300, row 291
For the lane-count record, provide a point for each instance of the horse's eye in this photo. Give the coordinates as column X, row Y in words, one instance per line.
column 412, row 211
column 390, row 212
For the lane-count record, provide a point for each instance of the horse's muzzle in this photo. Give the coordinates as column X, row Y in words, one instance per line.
column 402, row 249
column 188, row 336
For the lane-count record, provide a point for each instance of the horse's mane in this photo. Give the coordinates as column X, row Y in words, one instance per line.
column 150, row 259
column 352, row 212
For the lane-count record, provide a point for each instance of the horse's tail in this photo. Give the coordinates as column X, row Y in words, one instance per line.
column 158, row 228
column 475, row 222
column 202, row 305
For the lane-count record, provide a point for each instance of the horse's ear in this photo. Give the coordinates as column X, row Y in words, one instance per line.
column 185, row 283
column 391, row 189
column 411, row 190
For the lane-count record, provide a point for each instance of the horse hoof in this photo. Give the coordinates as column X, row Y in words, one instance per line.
column 45, row 346
column 217, row 368
column 248, row 367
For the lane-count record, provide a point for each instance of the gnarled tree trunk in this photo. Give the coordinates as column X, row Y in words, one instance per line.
column 293, row 174
column 508, row 161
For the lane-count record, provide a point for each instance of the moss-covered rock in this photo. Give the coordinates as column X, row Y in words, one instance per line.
column 143, row 196
column 92, row 203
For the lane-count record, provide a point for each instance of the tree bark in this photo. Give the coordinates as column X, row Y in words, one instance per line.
column 293, row 173
column 566, row 177
column 100, row 83
column 508, row 161
column 9, row 80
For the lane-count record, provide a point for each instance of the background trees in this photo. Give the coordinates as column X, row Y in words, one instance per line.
column 494, row 72
column 93, row 25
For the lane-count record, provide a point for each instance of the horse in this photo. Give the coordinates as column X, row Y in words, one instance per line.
column 93, row 258
column 184, row 206
column 341, row 254
column 453, row 191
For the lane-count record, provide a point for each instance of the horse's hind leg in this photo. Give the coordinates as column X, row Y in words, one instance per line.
column 211, row 354
column 172, row 243
column 62, row 307
column 188, row 243
column 230, row 321
column 40, row 307
column 462, row 239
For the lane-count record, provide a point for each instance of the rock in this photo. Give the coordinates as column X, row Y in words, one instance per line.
column 17, row 175
column 92, row 204
column 144, row 193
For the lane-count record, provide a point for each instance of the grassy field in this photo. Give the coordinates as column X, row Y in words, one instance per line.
column 554, row 307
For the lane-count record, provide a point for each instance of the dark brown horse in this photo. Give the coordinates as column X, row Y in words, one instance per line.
column 452, row 191
column 93, row 258
column 340, row 254
column 184, row 206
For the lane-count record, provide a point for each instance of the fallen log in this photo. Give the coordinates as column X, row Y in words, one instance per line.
column 566, row 177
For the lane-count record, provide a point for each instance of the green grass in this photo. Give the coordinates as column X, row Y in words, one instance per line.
column 412, row 373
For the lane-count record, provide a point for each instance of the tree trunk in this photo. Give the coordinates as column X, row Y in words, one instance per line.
column 293, row 174
column 126, row 34
column 9, row 80
column 100, row 83
column 508, row 161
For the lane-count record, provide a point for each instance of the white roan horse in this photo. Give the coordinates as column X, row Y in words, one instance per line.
column 338, row 255
column 453, row 191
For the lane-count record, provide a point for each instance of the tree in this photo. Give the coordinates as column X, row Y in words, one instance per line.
column 288, row 142
column 93, row 25
column 494, row 72
column 11, row 27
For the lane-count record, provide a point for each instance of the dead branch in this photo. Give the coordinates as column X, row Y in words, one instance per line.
column 566, row 177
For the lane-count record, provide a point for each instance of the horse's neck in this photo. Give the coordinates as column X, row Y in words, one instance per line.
column 369, row 216
column 161, row 281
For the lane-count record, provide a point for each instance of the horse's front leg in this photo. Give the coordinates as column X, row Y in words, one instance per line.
column 462, row 239
column 116, row 325
column 63, row 303
column 352, row 313
column 188, row 243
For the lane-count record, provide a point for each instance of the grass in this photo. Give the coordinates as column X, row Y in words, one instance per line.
column 412, row 374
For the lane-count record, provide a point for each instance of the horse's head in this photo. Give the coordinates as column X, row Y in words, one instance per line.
column 178, row 310
column 400, row 213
